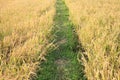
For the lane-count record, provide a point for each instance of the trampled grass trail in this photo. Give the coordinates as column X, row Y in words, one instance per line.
column 62, row 63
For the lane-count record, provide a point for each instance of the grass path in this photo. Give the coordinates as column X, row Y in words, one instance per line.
column 62, row 63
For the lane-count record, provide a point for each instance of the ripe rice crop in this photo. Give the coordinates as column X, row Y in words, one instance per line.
column 97, row 24
column 25, row 27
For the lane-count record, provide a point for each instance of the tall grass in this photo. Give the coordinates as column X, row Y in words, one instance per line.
column 25, row 27
column 98, row 27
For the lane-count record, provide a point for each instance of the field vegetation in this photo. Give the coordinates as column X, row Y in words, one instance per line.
column 25, row 29
column 97, row 23
column 82, row 38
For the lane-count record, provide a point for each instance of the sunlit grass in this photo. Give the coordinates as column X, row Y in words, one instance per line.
column 24, row 29
column 98, row 27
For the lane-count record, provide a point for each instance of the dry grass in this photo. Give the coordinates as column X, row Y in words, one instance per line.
column 24, row 29
column 98, row 27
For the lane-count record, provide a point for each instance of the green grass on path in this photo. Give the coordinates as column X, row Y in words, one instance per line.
column 62, row 63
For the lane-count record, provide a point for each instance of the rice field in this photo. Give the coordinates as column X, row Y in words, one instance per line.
column 97, row 24
column 25, row 27
column 59, row 40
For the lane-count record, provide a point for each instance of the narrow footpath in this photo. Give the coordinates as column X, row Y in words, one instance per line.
column 62, row 63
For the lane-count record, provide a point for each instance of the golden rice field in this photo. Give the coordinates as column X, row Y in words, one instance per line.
column 30, row 29
column 98, row 28
column 25, row 27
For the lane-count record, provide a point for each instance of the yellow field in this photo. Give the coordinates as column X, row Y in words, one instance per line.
column 26, row 34
column 98, row 27
column 24, row 29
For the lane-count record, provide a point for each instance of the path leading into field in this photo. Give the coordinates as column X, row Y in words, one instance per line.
column 62, row 63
